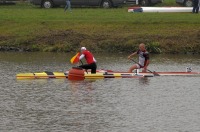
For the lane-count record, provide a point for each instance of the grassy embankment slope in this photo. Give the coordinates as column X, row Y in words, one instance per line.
column 30, row 27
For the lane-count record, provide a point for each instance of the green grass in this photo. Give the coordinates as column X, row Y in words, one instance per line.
column 28, row 26
column 169, row 3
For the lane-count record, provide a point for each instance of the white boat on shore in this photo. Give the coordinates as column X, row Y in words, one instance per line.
column 160, row 9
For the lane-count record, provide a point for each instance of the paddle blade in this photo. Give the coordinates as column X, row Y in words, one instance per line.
column 156, row 74
column 75, row 59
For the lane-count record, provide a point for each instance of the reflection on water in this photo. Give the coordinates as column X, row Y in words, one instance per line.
column 144, row 81
column 154, row 104
column 81, row 89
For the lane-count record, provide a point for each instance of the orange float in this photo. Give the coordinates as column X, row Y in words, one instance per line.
column 76, row 73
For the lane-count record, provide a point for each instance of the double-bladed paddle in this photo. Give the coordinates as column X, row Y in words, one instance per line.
column 154, row 73
column 75, row 59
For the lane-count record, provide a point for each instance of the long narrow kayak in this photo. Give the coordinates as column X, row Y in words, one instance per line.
column 101, row 74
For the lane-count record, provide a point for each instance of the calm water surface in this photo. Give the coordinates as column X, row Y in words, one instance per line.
column 157, row 104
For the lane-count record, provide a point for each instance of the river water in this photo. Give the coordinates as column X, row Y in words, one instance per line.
column 156, row 104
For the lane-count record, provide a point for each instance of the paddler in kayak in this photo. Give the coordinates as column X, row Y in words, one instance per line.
column 143, row 58
column 91, row 62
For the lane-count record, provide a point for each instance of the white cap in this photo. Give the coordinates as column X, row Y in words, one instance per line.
column 83, row 48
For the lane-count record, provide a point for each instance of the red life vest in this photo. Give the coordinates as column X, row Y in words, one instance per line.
column 88, row 56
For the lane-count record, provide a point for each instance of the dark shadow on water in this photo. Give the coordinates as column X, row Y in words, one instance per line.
column 144, row 81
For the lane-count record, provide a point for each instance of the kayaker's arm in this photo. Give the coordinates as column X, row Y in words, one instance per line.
column 129, row 57
column 81, row 57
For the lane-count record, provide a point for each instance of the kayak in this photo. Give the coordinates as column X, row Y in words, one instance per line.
column 160, row 9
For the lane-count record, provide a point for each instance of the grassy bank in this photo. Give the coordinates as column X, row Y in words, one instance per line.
column 28, row 27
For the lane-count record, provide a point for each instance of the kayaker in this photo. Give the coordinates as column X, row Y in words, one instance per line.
column 91, row 62
column 143, row 58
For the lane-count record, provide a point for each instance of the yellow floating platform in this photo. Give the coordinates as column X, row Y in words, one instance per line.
column 87, row 75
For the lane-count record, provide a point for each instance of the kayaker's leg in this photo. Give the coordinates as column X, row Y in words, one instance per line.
column 93, row 68
column 86, row 66
column 135, row 66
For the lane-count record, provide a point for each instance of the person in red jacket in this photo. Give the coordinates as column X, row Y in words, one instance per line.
column 91, row 61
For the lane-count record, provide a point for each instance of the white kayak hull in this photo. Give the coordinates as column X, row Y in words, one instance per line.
column 160, row 9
